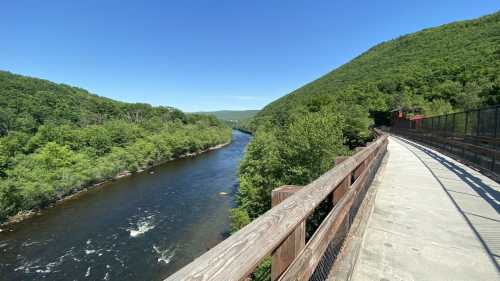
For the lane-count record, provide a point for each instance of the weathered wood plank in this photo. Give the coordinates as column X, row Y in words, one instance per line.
column 361, row 167
column 344, row 185
column 283, row 256
column 340, row 159
column 344, row 263
column 304, row 265
column 237, row 256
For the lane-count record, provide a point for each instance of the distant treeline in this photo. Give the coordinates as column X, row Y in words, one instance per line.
column 237, row 119
column 231, row 115
column 56, row 139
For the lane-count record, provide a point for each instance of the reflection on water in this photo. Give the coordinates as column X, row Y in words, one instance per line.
column 144, row 227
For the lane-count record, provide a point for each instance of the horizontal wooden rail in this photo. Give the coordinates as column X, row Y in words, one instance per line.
column 236, row 257
column 304, row 265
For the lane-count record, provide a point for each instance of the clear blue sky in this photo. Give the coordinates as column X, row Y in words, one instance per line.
column 205, row 55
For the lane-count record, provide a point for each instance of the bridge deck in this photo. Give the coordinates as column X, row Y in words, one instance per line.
column 434, row 219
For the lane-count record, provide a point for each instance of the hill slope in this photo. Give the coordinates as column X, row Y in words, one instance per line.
column 297, row 137
column 56, row 139
column 26, row 103
column 454, row 66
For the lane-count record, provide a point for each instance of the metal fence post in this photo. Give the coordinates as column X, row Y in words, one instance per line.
column 453, row 124
column 495, row 146
column 478, row 131
column 445, row 129
column 466, row 121
column 452, row 133
column 446, row 124
column 477, row 122
column 465, row 135
column 496, row 122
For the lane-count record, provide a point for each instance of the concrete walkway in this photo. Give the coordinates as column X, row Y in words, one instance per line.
column 434, row 219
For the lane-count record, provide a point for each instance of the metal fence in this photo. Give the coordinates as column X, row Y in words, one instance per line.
column 473, row 136
column 484, row 122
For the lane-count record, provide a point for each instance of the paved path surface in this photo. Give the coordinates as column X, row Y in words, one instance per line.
column 434, row 219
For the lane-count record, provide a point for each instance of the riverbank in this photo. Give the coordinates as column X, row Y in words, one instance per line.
column 77, row 192
column 142, row 227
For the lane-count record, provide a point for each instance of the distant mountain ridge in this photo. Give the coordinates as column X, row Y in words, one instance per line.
column 231, row 115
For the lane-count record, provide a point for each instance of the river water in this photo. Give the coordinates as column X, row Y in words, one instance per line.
column 143, row 227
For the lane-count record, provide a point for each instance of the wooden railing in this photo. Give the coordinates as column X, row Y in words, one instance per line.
column 280, row 231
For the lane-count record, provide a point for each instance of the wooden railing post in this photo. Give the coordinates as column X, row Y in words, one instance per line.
column 342, row 188
column 284, row 255
column 359, row 170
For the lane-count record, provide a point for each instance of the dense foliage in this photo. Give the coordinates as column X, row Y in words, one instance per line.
column 438, row 70
column 451, row 67
column 56, row 139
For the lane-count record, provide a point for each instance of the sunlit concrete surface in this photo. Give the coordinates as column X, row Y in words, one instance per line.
column 434, row 219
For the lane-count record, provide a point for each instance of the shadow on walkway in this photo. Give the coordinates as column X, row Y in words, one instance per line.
column 486, row 228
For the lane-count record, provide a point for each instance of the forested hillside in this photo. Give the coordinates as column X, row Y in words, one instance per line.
column 451, row 67
column 438, row 70
column 56, row 139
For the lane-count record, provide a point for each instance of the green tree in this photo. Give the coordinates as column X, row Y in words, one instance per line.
column 239, row 218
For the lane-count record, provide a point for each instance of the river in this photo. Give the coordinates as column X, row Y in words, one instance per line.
column 142, row 227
